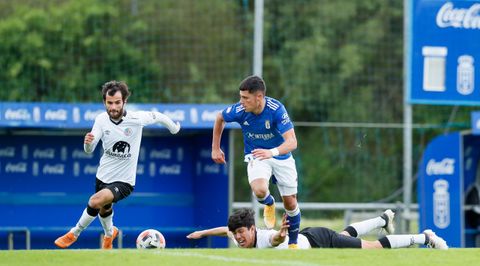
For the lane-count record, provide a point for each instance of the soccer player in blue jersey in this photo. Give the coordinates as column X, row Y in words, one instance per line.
column 269, row 139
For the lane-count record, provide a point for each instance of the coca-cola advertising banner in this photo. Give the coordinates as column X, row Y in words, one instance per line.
column 78, row 115
column 440, row 188
column 444, row 52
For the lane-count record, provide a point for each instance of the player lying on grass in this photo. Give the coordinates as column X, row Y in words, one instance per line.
column 242, row 230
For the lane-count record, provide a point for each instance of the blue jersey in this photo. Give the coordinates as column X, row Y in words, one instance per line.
column 263, row 131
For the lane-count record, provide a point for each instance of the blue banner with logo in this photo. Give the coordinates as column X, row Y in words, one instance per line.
column 47, row 171
column 444, row 52
column 440, row 188
column 81, row 115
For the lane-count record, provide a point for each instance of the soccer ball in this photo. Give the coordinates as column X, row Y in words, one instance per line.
column 150, row 238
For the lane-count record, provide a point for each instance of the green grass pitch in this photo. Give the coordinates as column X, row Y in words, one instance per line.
column 234, row 256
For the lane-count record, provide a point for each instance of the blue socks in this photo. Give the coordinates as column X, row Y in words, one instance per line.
column 268, row 200
column 293, row 218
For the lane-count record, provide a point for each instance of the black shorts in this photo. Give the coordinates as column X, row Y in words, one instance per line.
column 321, row 237
column 120, row 190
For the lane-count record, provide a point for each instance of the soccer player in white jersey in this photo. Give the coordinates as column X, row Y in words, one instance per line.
column 121, row 134
column 242, row 230
column 269, row 139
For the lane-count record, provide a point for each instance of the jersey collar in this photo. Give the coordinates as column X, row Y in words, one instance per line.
column 120, row 121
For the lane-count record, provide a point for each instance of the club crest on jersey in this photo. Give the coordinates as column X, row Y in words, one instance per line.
column 128, row 131
column 267, row 124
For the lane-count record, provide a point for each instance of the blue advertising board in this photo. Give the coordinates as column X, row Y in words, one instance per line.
column 443, row 52
column 440, row 188
column 81, row 115
column 53, row 175
column 47, row 178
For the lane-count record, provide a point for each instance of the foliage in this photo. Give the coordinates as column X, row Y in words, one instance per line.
column 65, row 51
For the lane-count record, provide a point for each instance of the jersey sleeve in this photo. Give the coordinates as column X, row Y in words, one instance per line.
column 97, row 135
column 149, row 118
column 283, row 120
column 230, row 113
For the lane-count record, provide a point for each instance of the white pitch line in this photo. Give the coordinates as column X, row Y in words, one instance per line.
column 230, row 259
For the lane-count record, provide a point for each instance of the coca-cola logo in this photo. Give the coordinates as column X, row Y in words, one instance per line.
column 210, row 116
column 161, row 154
column 467, row 18
column 17, row 114
column 55, row 169
column 90, row 115
column 60, row 114
column 443, row 167
column 173, row 169
column 178, row 115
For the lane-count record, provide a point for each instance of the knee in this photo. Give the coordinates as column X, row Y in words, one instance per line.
column 95, row 202
column 290, row 204
column 260, row 192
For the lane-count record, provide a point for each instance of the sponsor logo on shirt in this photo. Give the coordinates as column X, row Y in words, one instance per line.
column 120, row 150
column 260, row 136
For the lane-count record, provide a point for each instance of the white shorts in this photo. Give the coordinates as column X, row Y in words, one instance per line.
column 284, row 171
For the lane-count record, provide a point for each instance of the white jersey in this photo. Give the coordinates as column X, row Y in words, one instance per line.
column 264, row 238
column 121, row 143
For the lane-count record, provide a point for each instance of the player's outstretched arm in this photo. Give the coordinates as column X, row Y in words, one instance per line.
column 173, row 127
column 279, row 237
column 216, row 231
column 217, row 154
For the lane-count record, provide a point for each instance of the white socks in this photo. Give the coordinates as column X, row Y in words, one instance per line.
column 107, row 224
column 366, row 226
column 84, row 221
column 401, row 241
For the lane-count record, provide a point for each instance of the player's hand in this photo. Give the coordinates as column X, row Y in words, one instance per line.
column 218, row 156
column 195, row 235
column 284, row 227
column 262, row 154
column 89, row 137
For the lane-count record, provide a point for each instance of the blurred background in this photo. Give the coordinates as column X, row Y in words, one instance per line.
column 336, row 65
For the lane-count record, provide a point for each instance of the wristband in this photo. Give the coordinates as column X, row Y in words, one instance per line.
column 274, row 152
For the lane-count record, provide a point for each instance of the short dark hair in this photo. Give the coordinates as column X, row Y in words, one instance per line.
column 253, row 84
column 112, row 87
column 241, row 218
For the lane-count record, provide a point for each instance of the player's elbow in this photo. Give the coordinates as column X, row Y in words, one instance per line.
column 219, row 119
column 293, row 144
